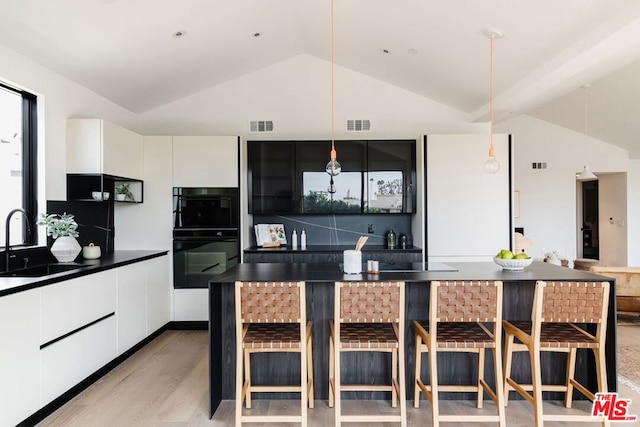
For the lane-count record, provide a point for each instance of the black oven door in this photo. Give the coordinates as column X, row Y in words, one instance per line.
column 197, row 258
column 205, row 207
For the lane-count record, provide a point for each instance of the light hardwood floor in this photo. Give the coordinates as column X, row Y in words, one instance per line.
column 165, row 385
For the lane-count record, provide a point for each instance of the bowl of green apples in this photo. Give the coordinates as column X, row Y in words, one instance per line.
column 512, row 262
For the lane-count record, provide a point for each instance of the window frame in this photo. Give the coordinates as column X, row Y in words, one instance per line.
column 29, row 162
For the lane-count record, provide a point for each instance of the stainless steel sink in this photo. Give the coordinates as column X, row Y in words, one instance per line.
column 42, row 270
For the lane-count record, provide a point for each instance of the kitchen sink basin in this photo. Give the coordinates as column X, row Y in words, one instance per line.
column 42, row 270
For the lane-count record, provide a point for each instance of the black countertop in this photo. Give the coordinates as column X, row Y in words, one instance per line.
column 329, row 248
column 12, row 285
column 538, row 270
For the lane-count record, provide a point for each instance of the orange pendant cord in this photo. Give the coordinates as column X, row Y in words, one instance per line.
column 333, row 132
column 492, row 151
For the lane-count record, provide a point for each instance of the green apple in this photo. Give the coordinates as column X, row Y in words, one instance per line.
column 521, row 256
column 507, row 255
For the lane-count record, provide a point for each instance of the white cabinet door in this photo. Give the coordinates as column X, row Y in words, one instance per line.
column 122, row 151
column 19, row 356
column 132, row 305
column 98, row 146
column 84, row 146
column 74, row 303
column 158, row 293
column 190, row 304
column 70, row 360
column 468, row 209
column 205, row 161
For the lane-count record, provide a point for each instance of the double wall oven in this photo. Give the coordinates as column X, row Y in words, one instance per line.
column 205, row 234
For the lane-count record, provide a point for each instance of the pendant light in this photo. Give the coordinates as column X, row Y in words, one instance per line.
column 491, row 165
column 333, row 167
column 586, row 174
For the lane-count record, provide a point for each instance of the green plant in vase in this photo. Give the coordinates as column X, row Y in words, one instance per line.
column 64, row 230
column 123, row 192
column 59, row 225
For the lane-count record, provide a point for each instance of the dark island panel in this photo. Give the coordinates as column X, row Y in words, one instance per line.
column 453, row 368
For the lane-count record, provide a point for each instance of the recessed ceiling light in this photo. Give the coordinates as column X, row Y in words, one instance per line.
column 385, row 51
column 179, row 34
column 256, row 34
column 412, row 51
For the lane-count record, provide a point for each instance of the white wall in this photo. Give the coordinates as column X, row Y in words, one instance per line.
column 58, row 99
column 612, row 219
column 548, row 196
column 633, row 213
column 295, row 94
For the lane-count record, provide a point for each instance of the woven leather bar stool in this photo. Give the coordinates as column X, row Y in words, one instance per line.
column 368, row 316
column 271, row 318
column 558, row 308
column 458, row 314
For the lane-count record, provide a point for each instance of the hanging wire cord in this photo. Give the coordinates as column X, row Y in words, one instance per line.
column 492, row 151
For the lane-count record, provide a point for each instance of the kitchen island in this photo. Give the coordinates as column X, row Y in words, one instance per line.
column 517, row 303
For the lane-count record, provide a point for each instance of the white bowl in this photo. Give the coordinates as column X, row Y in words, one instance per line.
column 513, row 264
column 100, row 196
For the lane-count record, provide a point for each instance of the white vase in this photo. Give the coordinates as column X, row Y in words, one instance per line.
column 65, row 248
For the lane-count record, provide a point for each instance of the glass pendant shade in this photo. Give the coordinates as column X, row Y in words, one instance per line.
column 492, row 165
column 333, row 167
column 586, row 175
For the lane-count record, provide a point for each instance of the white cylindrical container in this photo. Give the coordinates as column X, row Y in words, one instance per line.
column 303, row 240
column 294, row 239
column 352, row 262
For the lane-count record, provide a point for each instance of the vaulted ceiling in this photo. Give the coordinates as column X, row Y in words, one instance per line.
column 126, row 50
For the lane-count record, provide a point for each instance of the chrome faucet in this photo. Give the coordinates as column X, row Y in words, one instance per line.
column 7, row 247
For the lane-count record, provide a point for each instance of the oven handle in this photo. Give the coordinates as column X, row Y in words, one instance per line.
column 210, row 267
column 211, row 239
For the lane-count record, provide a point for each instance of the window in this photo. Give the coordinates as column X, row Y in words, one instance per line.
column 368, row 192
column 18, row 163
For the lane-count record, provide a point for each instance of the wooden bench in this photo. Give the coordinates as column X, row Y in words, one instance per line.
column 627, row 286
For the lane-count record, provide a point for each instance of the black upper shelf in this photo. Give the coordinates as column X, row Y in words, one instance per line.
column 82, row 187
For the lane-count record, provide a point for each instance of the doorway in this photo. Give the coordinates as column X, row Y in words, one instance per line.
column 590, row 220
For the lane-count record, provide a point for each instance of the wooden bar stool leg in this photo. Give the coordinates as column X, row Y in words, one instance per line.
column 332, row 370
column 310, row 368
column 303, row 378
column 506, row 371
column 247, row 378
column 394, row 378
column 433, row 374
column 601, row 369
column 337, row 400
column 499, row 378
column 571, row 368
column 416, row 376
column 481, row 355
column 536, row 380
column 403, row 387
column 239, row 385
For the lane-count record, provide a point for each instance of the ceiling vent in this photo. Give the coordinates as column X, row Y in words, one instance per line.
column 358, row 125
column 260, row 126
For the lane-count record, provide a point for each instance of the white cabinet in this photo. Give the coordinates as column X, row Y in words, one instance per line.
column 98, row 146
column 158, row 293
column 143, row 300
column 78, row 331
column 190, row 304
column 132, row 304
column 19, row 356
column 74, row 303
column 70, row 360
column 205, row 161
